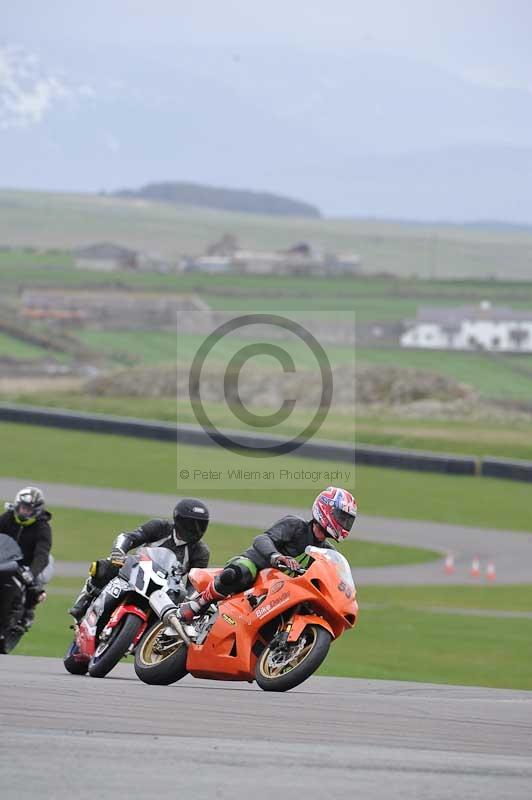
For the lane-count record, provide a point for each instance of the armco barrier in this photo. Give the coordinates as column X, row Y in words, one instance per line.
column 510, row 470
column 193, row 435
column 417, row 460
column 96, row 423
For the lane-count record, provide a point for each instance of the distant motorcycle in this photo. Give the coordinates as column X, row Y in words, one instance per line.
column 276, row 633
column 116, row 619
column 12, row 594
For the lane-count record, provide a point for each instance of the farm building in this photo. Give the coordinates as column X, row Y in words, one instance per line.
column 475, row 327
column 110, row 310
column 105, row 257
column 301, row 259
column 108, row 257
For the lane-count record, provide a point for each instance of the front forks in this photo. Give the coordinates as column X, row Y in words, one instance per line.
column 280, row 639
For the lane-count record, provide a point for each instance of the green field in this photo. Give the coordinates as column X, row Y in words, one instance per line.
column 98, row 460
column 450, row 436
column 436, row 648
column 15, row 348
column 61, row 221
column 156, row 347
column 366, row 307
column 140, row 347
column 394, row 643
column 492, row 379
column 509, row 377
column 516, row 598
column 34, row 259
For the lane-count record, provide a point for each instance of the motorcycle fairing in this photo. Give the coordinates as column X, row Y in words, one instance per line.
column 230, row 651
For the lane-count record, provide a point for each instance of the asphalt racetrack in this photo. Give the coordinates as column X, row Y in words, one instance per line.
column 63, row 736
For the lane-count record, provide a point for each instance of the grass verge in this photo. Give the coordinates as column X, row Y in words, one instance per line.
column 395, row 644
column 467, row 437
column 43, row 454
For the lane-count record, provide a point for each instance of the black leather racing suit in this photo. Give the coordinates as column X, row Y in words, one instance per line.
column 160, row 533
column 155, row 533
column 35, row 541
column 289, row 536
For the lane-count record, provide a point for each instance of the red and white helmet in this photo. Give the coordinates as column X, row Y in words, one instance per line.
column 335, row 510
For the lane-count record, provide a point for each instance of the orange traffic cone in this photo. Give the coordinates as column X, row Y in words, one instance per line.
column 490, row 571
column 449, row 564
column 475, row 568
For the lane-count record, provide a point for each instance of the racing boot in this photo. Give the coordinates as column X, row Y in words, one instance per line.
column 196, row 606
column 88, row 593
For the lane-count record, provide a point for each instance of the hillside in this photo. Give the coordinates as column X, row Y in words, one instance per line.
column 53, row 220
column 247, row 202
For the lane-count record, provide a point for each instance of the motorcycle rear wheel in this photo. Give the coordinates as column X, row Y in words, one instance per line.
column 159, row 664
column 309, row 652
column 117, row 646
column 12, row 637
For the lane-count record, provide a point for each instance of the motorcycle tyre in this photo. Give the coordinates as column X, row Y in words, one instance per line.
column 11, row 638
column 70, row 663
column 128, row 628
column 300, row 673
column 163, row 673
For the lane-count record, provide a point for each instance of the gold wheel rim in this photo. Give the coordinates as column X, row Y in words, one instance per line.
column 275, row 672
column 148, row 652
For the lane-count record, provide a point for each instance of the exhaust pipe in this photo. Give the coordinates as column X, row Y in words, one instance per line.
column 165, row 608
column 172, row 619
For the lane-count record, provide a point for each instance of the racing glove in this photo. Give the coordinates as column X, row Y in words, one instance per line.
column 285, row 562
column 27, row 576
column 117, row 557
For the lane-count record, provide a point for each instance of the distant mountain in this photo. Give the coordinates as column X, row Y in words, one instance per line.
column 355, row 133
column 247, row 202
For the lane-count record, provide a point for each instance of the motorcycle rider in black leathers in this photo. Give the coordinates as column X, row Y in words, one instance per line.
column 27, row 521
column 182, row 536
column 283, row 546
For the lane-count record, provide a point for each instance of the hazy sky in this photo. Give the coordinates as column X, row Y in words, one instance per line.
column 409, row 108
column 488, row 40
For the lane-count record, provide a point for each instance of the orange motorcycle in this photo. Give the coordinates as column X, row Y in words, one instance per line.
column 277, row 633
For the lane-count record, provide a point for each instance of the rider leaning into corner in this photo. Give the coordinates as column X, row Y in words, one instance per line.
column 182, row 535
column 283, row 545
column 27, row 521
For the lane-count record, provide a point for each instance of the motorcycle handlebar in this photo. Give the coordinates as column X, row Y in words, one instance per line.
column 284, row 568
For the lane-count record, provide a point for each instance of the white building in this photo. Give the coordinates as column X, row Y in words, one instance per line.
column 480, row 327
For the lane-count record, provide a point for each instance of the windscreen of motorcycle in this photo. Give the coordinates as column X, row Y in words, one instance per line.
column 148, row 569
column 162, row 558
column 334, row 557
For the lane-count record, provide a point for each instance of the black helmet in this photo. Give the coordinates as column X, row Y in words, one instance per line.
column 28, row 505
column 191, row 519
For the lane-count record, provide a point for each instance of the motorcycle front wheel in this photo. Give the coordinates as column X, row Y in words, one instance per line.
column 280, row 669
column 73, row 663
column 109, row 653
column 161, row 657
